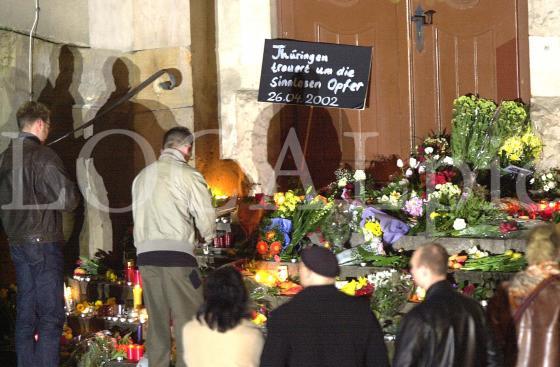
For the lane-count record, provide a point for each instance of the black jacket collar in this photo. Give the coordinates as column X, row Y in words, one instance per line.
column 25, row 135
column 441, row 287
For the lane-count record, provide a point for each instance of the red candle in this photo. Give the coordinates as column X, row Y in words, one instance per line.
column 137, row 278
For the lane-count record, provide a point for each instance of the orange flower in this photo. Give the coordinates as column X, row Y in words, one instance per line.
column 270, row 235
column 262, row 247
column 275, row 248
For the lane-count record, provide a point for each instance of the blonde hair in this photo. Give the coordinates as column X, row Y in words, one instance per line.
column 543, row 244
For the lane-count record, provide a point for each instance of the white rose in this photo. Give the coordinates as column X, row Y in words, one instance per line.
column 400, row 163
column 549, row 175
column 543, row 177
column 384, row 198
column 342, row 182
column 552, row 184
column 438, row 187
column 359, row 175
column 421, row 169
column 436, row 157
column 429, row 150
column 408, row 172
column 532, row 181
column 546, row 188
column 448, row 161
column 459, row 224
column 412, row 162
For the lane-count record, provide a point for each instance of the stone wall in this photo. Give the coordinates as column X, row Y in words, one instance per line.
column 544, row 44
column 58, row 20
column 130, row 40
column 241, row 28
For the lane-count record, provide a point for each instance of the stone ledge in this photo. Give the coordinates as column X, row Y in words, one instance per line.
column 458, row 244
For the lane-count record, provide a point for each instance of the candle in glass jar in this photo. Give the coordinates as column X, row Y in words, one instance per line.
column 137, row 296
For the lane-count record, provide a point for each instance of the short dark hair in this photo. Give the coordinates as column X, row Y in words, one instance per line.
column 177, row 137
column 433, row 256
column 30, row 112
column 225, row 300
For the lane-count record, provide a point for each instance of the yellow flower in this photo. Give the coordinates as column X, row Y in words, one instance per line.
column 279, row 198
column 434, row 215
column 516, row 256
column 374, row 228
column 259, row 319
column 350, row 288
column 509, row 253
column 362, row 282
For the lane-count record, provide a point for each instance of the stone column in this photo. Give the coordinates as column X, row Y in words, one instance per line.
column 544, row 46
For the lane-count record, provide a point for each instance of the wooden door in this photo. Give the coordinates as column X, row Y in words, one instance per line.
column 473, row 46
column 378, row 23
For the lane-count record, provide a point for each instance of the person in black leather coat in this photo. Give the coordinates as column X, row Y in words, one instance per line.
column 34, row 189
column 448, row 328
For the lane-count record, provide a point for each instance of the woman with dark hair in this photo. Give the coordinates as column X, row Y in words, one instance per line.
column 221, row 334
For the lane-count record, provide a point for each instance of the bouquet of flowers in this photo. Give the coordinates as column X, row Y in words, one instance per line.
column 373, row 236
column 434, row 149
column 391, row 290
column 337, row 225
column 286, row 204
column 309, row 216
column 546, row 183
column 521, row 150
column 471, row 140
column 349, row 184
column 358, row 287
column 394, row 194
column 456, row 213
column 270, row 243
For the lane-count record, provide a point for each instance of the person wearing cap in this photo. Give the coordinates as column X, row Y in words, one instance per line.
column 322, row 326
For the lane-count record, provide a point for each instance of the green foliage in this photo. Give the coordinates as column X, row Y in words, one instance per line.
column 396, row 261
column 480, row 128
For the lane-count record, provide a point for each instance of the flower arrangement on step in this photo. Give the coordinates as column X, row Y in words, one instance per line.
column 466, row 214
column 373, row 236
column 349, row 184
column 309, row 216
column 295, row 216
column 271, row 241
column 360, row 287
column 546, row 183
column 391, row 291
column 483, row 131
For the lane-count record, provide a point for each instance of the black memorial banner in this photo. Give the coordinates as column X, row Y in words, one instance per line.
column 315, row 74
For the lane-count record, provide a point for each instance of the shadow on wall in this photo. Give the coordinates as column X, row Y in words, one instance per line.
column 324, row 153
column 118, row 158
column 61, row 100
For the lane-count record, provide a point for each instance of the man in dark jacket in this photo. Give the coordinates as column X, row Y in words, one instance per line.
column 322, row 326
column 447, row 329
column 34, row 189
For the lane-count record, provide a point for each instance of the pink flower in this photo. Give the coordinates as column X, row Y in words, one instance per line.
column 414, row 207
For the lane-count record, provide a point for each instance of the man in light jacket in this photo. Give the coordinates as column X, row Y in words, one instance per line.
column 170, row 203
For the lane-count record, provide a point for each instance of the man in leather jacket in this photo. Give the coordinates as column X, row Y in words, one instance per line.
column 34, row 189
column 447, row 329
